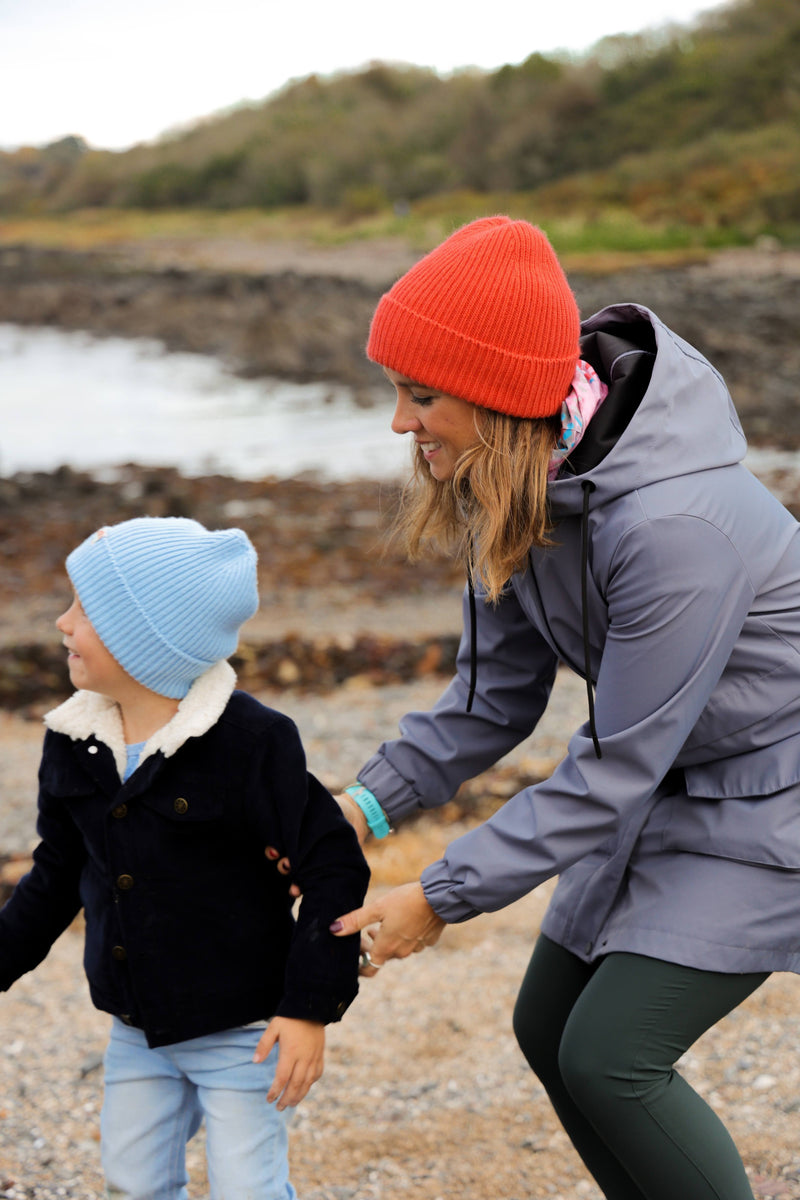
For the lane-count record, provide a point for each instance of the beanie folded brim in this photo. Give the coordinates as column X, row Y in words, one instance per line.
column 427, row 352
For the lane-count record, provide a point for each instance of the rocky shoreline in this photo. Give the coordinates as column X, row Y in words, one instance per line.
column 300, row 314
column 323, row 549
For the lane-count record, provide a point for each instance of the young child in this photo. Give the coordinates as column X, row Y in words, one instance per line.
column 160, row 786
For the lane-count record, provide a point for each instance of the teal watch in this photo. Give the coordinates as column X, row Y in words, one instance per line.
column 376, row 817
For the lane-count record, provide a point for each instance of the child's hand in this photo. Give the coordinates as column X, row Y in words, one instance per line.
column 301, row 1048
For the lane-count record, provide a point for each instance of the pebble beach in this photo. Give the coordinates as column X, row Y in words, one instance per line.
column 425, row 1092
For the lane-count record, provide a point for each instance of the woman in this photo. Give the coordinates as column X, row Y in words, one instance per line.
column 616, row 531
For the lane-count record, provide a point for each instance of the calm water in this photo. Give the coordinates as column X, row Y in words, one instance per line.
column 94, row 403
column 91, row 403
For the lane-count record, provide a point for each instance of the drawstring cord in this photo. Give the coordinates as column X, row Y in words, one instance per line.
column 473, row 634
column 588, row 487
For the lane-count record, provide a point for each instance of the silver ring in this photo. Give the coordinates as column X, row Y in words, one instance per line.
column 366, row 961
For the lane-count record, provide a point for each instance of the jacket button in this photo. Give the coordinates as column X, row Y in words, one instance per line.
column 121, row 810
column 125, row 882
column 181, row 806
column 119, row 953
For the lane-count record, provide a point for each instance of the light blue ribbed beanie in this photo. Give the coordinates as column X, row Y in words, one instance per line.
column 166, row 596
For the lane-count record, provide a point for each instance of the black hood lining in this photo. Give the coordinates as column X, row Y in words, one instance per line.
column 623, row 354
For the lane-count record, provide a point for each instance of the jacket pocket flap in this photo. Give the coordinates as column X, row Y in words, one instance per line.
column 759, row 772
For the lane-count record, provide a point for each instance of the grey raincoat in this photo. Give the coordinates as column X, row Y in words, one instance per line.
column 674, row 822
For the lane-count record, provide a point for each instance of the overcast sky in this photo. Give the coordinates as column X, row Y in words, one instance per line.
column 124, row 71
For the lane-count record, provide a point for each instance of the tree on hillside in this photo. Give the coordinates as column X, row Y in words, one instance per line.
column 682, row 124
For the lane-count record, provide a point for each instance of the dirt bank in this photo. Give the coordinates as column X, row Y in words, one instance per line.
column 340, row 602
column 298, row 313
column 325, row 558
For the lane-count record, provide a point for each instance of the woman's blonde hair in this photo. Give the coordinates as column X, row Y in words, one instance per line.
column 494, row 508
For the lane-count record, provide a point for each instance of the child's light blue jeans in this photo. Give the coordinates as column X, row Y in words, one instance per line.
column 156, row 1099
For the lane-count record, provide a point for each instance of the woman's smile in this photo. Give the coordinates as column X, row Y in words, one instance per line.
column 427, row 448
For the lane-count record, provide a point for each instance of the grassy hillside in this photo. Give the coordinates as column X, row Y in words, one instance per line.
column 689, row 136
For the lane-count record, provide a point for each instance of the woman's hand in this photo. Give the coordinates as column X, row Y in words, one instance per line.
column 405, row 922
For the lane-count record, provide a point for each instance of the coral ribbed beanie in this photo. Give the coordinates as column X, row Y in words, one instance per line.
column 487, row 316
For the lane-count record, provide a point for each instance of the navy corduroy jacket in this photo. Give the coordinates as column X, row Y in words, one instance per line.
column 189, row 929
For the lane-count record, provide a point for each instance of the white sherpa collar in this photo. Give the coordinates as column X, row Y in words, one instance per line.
column 88, row 714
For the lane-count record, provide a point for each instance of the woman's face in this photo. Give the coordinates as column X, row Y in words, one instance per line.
column 443, row 426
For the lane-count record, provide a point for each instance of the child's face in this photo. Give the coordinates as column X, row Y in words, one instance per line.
column 91, row 666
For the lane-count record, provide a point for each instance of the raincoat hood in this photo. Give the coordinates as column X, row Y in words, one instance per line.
column 668, row 413
column 641, row 434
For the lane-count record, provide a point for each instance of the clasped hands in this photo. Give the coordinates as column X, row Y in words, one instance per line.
column 396, row 925
column 393, row 926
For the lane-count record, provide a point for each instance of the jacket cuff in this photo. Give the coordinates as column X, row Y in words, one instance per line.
column 441, row 893
column 395, row 795
column 322, row 1007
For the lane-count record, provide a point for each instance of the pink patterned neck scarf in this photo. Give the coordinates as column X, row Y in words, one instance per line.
column 585, row 396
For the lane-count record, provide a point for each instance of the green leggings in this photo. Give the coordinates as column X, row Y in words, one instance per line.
column 603, row 1039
